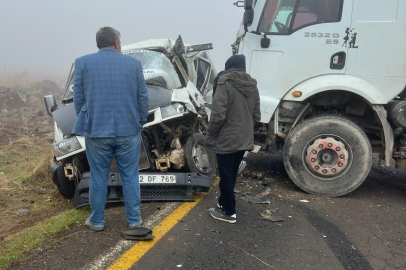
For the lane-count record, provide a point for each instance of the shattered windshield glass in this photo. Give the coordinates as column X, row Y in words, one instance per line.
column 158, row 69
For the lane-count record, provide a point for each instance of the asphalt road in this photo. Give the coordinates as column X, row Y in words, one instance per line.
column 363, row 230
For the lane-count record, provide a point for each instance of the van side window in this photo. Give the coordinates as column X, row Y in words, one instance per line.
column 311, row 12
column 287, row 16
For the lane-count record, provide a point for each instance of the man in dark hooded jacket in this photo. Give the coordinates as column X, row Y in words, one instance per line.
column 235, row 109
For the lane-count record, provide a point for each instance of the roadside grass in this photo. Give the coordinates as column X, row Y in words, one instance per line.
column 25, row 183
column 14, row 246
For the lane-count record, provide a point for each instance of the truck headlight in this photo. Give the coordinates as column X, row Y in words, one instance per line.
column 66, row 146
column 172, row 110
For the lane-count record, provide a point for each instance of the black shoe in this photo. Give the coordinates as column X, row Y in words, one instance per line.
column 223, row 216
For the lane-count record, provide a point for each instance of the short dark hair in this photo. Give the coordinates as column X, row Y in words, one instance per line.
column 107, row 37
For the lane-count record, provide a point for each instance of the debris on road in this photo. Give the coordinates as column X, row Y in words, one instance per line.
column 263, row 194
column 253, row 200
column 267, row 215
column 137, row 233
column 299, row 234
column 237, row 191
column 266, row 181
column 306, row 201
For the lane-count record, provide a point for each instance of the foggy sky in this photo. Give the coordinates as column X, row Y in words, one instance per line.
column 46, row 36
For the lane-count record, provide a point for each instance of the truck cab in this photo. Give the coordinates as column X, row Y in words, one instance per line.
column 331, row 75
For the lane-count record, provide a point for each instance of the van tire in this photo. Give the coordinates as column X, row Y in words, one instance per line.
column 194, row 143
column 313, row 170
column 65, row 186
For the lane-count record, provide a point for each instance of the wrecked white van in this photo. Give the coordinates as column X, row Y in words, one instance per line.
column 173, row 160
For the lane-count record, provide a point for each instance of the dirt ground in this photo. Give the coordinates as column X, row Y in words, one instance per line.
column 27, row 194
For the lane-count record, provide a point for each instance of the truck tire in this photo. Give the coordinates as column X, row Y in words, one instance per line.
column 197, row 158
column 327, row 155
column 65, row 186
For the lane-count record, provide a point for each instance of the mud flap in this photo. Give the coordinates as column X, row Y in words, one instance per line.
column 181, row 191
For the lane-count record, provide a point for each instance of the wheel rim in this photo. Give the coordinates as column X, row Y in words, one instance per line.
column 201, row 158
column 327, row 157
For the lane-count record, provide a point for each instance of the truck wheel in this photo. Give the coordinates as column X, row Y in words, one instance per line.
column 327, row 155
column 198, row 160
column 65, row 186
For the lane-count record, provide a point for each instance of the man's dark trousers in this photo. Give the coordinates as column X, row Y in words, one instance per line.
column 228, row 165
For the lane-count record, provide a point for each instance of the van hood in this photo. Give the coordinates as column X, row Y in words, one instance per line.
column 65, row 116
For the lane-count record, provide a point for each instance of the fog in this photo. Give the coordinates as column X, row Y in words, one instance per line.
column 45, row 37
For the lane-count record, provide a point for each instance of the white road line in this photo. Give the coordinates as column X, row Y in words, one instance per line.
column 105, row 259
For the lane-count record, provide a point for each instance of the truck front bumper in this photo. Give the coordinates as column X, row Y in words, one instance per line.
column 181, row 191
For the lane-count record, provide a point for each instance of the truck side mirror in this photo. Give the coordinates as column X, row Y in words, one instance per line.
column 248, row 18
column 248, row 4
column 50, row 104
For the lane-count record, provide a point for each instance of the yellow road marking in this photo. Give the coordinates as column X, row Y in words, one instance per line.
column 136, row 252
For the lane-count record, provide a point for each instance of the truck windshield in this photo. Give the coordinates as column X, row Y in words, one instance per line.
column 158, row 69
column 278, row 15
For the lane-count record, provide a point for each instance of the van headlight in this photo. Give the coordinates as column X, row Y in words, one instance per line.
column 172, row 110
column 66, row 146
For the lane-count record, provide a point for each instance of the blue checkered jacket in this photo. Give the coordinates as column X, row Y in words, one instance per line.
column 110, row 95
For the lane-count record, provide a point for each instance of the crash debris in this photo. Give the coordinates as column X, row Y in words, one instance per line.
column 249, row 199
column 267, row 215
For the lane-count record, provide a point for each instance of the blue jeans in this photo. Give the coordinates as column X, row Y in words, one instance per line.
column 126, row 151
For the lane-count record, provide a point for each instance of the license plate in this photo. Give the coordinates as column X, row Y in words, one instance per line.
column 157, row 179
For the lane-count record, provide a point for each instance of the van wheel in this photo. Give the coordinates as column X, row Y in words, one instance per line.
column 327, row 155
column 198, row 159
column 65, row 186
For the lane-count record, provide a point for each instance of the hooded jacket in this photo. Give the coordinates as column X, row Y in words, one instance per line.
column 235, row 109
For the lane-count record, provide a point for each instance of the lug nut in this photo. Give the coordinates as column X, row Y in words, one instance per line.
column 314, row 152
column 340, row 165
column 333, row 170
column 317, row 168
column 342, row 156
column 313, row 160
column 338, row 149
column 321, row 146
column 324, row 171
column 330, row 145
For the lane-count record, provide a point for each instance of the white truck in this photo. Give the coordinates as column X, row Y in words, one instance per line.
column 332, row 77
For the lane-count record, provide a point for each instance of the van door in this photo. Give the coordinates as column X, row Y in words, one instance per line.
column 308, row 39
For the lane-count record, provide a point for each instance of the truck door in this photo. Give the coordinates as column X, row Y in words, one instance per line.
column 377, row 45
column 307, row 40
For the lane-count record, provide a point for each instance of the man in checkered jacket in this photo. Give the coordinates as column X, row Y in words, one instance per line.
column 111, row 102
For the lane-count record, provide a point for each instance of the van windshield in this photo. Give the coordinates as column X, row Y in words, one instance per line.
column 158, row 69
